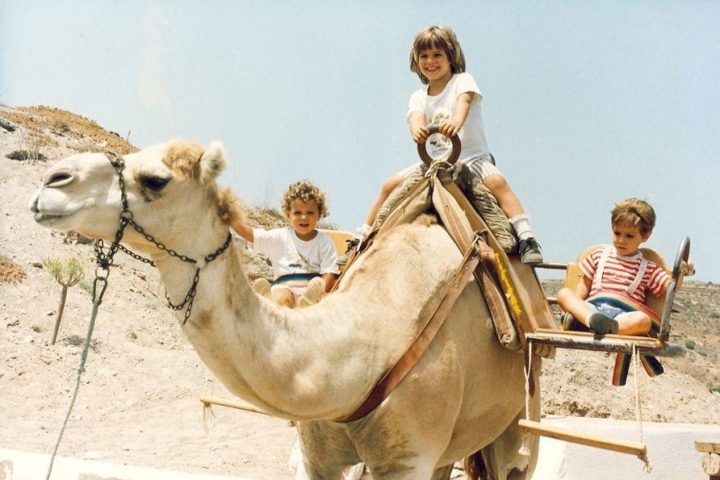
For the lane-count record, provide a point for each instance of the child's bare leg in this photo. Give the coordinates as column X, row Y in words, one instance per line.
column 576, row 306
column 510, row 204
column 387, row 188
column 282, row 296
column 633, row 323
column 508, row 201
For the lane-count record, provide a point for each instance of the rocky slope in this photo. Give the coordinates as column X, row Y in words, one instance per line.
column 138, row 401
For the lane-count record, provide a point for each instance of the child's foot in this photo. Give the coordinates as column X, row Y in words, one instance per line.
column 567, row 320
column 602, row 324
column 364, row 230
column 262, row 287
column 530, row 251
column 314, row 292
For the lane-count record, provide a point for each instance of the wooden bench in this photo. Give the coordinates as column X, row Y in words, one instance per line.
column 711, row 459
column 662, row 307
column 623, row 345
column 340, row 239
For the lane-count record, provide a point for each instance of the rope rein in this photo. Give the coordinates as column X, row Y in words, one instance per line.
column 104, row 258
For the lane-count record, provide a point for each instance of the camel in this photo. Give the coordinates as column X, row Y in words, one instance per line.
column 317, row 364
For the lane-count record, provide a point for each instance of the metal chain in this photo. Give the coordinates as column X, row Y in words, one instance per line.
column 104, row 257
column 189, row 297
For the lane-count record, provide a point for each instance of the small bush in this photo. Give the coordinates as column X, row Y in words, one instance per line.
column 10, row 271
column 690, row 344
column 25, row 155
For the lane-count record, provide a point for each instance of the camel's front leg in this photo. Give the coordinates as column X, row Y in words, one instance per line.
column 513, row 455
column 326, row 451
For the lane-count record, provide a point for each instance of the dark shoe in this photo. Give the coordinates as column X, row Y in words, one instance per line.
column 567, row 321
column 602, row 324
column 530, row 251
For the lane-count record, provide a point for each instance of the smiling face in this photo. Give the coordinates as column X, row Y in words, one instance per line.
column 434, row 64
column 627, row 238
column 303, row 217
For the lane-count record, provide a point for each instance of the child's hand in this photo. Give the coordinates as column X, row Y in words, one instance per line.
column 419, row 133
column 687, row 268
column 450, row 128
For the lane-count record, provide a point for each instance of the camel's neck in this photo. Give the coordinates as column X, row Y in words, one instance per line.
column 282, row 360
column 318, row 362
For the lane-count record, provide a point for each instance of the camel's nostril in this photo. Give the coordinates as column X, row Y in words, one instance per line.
column 58, row 179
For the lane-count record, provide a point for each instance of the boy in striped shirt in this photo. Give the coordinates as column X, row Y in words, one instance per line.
column 616, row 278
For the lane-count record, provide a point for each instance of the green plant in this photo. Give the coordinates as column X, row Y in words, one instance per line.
column 67, row 272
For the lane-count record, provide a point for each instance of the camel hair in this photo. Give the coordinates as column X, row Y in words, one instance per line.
column 318, row 364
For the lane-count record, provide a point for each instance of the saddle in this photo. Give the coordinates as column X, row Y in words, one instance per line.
column 511, row 289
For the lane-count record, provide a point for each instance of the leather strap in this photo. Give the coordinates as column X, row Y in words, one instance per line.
column 436, row 313
column 456, row 222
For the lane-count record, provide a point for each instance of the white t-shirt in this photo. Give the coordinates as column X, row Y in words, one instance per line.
column 441, row 106
column 289, row 254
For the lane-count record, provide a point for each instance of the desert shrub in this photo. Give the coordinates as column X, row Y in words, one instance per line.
column 690, row 344
column 10, row 271
column 67, row 272
column 25, row 155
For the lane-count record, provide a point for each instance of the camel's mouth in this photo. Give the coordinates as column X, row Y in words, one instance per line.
column 52, row 218
column 49, row 214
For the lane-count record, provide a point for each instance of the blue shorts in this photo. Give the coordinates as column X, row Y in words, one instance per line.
column 609, row 307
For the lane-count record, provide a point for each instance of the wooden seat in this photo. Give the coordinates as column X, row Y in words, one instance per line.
column 662, row 307
column 623, row 345
column 340, row 239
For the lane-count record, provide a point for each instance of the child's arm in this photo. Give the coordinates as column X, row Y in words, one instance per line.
column 418, row 130
column 462, row 108
column 582, row 289
column 330, row 279
column 244, row 230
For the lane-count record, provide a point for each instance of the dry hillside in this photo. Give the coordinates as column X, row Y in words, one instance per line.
column 138, row 401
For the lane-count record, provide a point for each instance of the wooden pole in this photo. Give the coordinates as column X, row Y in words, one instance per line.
column 597, row 441
column 238, row 404
column 711, row 459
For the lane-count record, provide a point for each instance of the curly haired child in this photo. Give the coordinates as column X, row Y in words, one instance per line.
column 304, row 260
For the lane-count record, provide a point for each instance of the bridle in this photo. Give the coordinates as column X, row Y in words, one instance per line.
column 104, row 256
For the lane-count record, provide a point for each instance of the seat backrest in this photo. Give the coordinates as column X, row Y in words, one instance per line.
column 339, row 238
column 574, row 275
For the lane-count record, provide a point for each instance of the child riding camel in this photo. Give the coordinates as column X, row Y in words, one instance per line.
column 304, row 260
column 450, row 100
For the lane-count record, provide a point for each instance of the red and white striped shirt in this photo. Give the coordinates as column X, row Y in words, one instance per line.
column 619, row 273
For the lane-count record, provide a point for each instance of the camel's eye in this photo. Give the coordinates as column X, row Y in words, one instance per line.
column 154, row 183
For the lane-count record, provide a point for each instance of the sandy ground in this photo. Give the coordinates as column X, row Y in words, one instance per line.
column 138, row 401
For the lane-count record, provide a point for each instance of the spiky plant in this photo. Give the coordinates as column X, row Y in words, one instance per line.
column 67, row 272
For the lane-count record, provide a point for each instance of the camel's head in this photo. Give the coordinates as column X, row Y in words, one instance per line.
column 170, row 190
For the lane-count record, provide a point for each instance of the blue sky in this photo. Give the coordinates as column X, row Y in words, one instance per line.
column 586, row 102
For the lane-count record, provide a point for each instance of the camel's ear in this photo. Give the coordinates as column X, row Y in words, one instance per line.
column 212, row 162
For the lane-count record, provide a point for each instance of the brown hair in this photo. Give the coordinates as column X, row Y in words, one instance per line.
column 305, row 191
column 636, row 212
column 437, row 37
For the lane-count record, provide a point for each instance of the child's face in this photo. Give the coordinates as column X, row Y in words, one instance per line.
column 627, row 239
column 434, row 64
column 303, row 217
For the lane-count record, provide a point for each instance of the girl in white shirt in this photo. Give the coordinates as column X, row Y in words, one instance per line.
column 450, row 99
